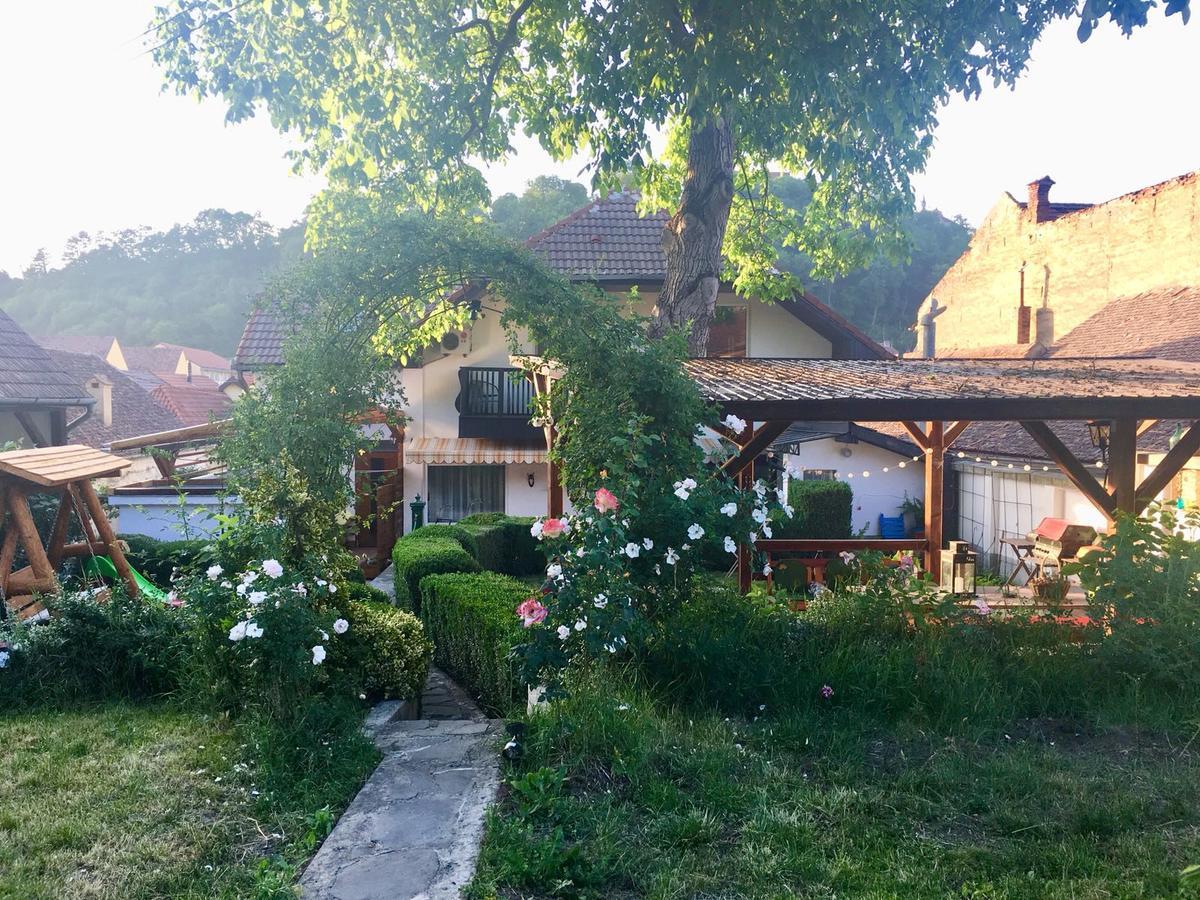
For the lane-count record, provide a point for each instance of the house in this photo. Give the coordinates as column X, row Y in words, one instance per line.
column 1048, row 280
column 192, row 399
column 40, row 403
column 161, row 358
column 468, row 445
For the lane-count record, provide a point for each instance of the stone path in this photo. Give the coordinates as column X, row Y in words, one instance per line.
column 413, row 832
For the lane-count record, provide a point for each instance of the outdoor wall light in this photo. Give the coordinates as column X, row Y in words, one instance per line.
column 531, row 478
column 1100, row 432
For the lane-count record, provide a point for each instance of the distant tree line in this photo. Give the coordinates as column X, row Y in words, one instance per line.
column 195, row 283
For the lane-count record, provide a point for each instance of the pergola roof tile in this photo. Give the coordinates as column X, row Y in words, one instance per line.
column 972, row 389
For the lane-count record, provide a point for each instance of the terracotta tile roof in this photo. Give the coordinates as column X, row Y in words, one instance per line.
column 151, row 359
column 134, row 410
column 606, row 240
column 996, row 351
column 262, row 340
column 92, row 344
column 204, row 358
column 193, row 402
column 1164, row 323
column 28, row 374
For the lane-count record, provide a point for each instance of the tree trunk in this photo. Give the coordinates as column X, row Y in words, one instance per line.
column 692, row 238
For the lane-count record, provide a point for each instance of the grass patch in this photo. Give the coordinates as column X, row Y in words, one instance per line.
column 621, row 795
column 119, row 800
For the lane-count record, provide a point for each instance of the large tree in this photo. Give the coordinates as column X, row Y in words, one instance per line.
column 406, row 97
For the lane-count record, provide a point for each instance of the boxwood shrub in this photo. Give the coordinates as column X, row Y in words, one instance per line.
column 473, row 624
column 822, row 509
column 491, row 546
column 157, row 560
column 464, row 537
column 389, row 650
column 521, row 554
column 414, row 557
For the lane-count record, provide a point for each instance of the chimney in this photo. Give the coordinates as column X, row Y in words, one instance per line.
column 1022, row 312
column 102, row 390
column 1039, row 199
column 1045, row 315
column 928, row 336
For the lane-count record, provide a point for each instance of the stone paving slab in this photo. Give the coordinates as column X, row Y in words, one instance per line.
column 414, row 829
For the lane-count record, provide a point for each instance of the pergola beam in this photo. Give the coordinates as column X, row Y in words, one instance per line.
column 1176, row 458
column 917, row 433
column 759, row 441
column 1075, row 470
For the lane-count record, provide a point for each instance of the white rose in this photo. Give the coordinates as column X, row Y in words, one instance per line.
column 272, row 568
column 318, row 655
column 647, row 543
column 580, row 624
column 695, row 532
column 730, row 545
column 237, row 632
column 340, row 626
column 253, row 630
column 729, row 509
column 536, row 529
column 554, row 570
column 563, row 632
column 600, row 602
column 214, row 572
column 257, row 597
column 632, row 550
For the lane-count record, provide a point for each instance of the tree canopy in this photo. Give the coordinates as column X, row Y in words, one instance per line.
column 406, row 98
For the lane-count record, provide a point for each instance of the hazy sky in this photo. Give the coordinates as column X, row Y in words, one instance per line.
column 89, row 142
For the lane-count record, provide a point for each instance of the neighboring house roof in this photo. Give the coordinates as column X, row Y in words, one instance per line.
column 148, row 380
column 605, row 241
column 204, row 358
column 151, row 359
column 28, row 377
column 996, row 351
column 195, row 401
column 91, row 344
column 1164, row 322
column 134, row 410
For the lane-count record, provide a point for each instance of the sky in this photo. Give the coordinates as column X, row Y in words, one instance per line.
column 89, row 142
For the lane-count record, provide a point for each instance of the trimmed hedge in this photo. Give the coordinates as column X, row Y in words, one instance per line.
column 491, row 546
column 390, row 650
column 521, row 554
column 461, row 536
column 414, row 557
column 822, row 510
column 157, row 560
column 473, row 624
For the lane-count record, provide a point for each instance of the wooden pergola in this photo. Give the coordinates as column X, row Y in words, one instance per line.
column 936, row 399
column 67, row 472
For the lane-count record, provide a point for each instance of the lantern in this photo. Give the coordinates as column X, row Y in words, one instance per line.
column 958, row 569
column 1100, row 433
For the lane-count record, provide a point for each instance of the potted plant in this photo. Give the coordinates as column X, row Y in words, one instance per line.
column 913, row 511
column 1052, row 587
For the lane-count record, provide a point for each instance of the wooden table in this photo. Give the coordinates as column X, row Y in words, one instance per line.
column 1022, row 548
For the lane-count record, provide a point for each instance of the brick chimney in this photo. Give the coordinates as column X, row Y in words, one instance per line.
column 1039, row 199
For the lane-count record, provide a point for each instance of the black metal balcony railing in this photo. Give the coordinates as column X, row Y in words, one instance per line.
column 495, row 402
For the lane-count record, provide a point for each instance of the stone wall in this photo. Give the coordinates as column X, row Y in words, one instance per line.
column 1080, row 260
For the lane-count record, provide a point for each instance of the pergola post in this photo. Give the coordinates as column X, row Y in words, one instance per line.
column 1122, row 465
column 745, row 480
column 935, row 459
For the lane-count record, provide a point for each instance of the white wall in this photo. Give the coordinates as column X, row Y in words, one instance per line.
column 159, row 515
column 879, row 494
column 11, row 429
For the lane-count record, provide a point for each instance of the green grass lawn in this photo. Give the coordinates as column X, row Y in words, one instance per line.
column 153, row 801
column 619, row 796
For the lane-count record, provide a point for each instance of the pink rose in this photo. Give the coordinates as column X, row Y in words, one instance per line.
column 605, row 501
column 531, row 612
column 553, row 528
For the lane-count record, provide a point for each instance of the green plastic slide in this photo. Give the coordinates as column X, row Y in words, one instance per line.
column 103, row 566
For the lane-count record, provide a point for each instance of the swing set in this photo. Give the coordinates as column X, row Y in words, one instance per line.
column 68, row 473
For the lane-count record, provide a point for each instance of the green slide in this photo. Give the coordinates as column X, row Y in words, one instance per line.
column 103, row 566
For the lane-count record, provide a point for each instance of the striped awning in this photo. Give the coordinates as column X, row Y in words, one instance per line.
column 465, row 451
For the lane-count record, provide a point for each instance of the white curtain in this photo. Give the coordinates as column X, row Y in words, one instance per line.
column 458, row 491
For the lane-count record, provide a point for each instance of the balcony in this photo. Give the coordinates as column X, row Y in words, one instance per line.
column 495, row 402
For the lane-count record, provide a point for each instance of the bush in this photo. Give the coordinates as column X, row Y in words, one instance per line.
column 472, row 622
column 93, row 650
column 521, row 554
column 491, row 547
column 822, row 510
column 461, row 536
column 365, row 593
column 389, row 652
column 413, row 558
column 158, row 560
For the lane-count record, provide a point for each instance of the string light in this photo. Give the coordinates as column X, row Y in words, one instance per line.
column 994, row 463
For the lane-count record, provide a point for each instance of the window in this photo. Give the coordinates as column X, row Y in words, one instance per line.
column 727, row 334
column 458, row 491
column 820, row 474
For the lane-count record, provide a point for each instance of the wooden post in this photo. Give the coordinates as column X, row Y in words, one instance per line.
column 58, row 534
column 23, row 524
column 934, row 483
column 554, row 489
column 96, row 508
column 1122, row 464
column 744, row 550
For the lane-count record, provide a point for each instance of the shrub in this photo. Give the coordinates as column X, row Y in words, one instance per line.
column 822, row 509
column 438, row 531
column 365, row 593
column 158, row 560
column 93, row 650
column 413, row 558
column 472, row 623
column 491, row 547
column 520, row 553
column 389, row 653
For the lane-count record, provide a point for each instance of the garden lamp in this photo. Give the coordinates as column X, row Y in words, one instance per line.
column 1099, row 431
column 959, row 563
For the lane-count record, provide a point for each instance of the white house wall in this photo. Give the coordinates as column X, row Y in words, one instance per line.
column 881, row 493
column 12, row 431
